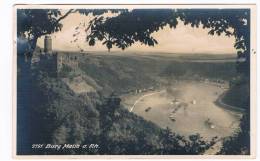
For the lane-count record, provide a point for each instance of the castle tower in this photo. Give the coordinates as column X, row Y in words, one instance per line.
column 47, row 44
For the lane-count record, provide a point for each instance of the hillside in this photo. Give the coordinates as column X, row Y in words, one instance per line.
column 125, row 73
column 77, row 107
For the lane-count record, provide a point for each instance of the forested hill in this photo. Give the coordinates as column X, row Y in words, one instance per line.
column 58, row 115
column 124, row 72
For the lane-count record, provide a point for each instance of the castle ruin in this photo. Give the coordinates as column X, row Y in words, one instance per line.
column 47, row 44
column 53, row 61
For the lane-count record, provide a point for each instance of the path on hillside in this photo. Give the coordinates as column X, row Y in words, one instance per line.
column 146, row 95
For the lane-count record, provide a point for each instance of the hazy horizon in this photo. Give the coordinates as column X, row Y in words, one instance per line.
column 141, row 52
column 183, row 39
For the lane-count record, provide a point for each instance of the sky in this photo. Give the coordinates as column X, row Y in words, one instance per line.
column 183, row 39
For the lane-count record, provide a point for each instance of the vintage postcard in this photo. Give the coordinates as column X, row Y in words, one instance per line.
column 139, row 81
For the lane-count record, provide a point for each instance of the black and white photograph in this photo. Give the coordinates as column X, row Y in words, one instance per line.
column 134, row 80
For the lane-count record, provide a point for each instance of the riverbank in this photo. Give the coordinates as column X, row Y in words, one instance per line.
column 219, row 102
column 197, row 104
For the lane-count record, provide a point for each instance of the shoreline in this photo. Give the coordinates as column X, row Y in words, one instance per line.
column 235, row 111
column 225, row 106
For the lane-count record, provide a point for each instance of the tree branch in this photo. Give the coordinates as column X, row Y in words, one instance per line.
column 65, row 15
column 57, row 21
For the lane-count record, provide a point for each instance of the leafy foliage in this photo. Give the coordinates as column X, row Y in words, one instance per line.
column 60, row 116
column 138, row 25
column 34, row 23
column 64, row 117
column 130, row 27
column 239, row 144
column 98, row 12
column 239, row 95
